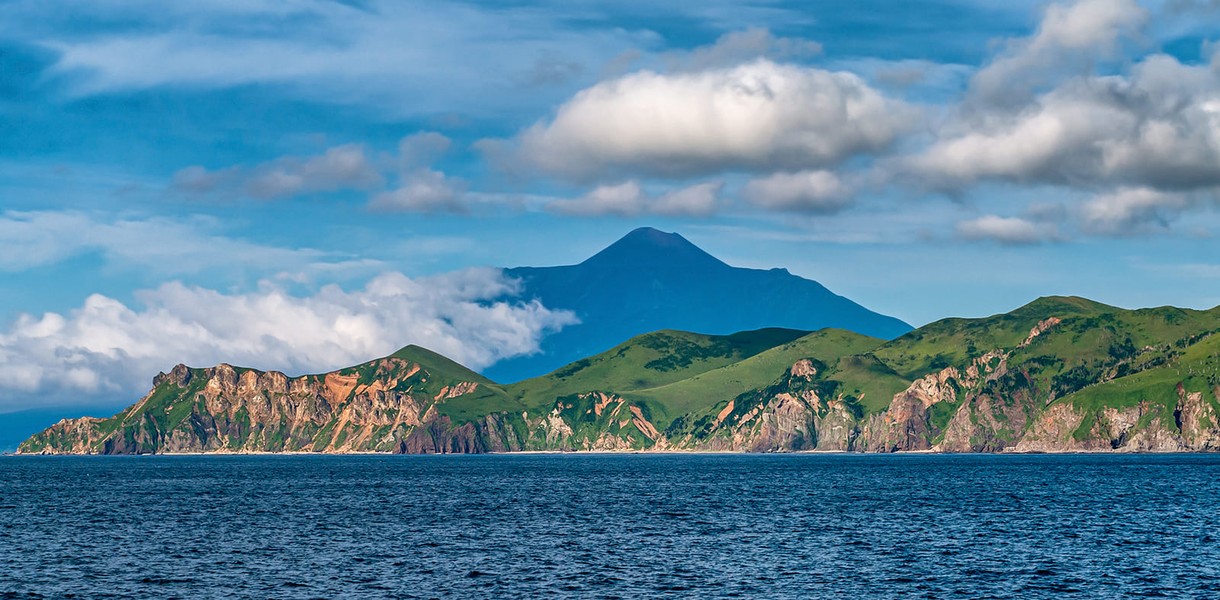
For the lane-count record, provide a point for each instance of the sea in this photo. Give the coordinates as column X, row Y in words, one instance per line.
column 611, row 526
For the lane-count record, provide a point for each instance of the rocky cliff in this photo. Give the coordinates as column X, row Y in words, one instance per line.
column 1057, row 375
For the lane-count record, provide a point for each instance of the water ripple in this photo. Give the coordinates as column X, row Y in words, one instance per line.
column 615, row 526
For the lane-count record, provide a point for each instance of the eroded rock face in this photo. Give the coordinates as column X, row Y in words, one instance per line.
column 908, row 423
column 1052, row 431
column 991, row 403
column 224, row 409
column 440, row 436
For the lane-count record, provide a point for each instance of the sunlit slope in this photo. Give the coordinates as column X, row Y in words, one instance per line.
column 1058, row 374
column 645, row 361
column 830, row 346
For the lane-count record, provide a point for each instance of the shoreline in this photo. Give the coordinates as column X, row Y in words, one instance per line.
column 638, row 452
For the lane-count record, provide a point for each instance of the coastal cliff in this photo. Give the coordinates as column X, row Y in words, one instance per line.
column 1057, row 375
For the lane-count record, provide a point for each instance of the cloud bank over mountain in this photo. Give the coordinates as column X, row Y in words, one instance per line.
column 106, row 348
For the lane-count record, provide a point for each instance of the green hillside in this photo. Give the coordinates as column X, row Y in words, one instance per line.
column 1058, row 374
column 707, row 389
column 440, row 366
column 957, row 341
column 643, row 362
column 1194, row 366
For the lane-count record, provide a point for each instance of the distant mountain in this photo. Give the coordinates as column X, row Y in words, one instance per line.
column 16, row 427
column 1060, row 374
column 650, row 280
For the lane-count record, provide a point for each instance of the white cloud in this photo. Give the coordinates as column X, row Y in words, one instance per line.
column 422, row 149
column 105, row 347
column 1070, row 37
column 1158, row 127
column 629, row 199
column 736, row 47
column 699, row 200
column 342, row 167
column 802, row 191
column 757, row 116
column 424, row 191
column 29, row 240
column 196, row 179
column 1143, row 143
column 1007, row 230
column 338, row 168
column 1132, row 210
column 395, row 55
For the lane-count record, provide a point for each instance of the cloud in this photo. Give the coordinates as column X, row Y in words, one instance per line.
column 1007, row 230
column 629, row 199
column 757, row 116
column 196, row 179
column 1142, row 143
column 736, row 47
column 105, row 347
column 397, row 56
column 30, row 240
column 342, row 167
column 1133, row 210
column 1157, row 127
column 422, row 149
column 1071, row 37
column 802, row 191
column 551, row 69
column 424, row 191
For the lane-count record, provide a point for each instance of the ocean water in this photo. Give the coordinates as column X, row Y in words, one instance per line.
column 613, row 526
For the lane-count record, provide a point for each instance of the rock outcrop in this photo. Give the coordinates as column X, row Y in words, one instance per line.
column 1083, row 378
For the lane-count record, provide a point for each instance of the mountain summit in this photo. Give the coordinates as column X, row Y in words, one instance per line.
column 650, row 248
column 651, row 280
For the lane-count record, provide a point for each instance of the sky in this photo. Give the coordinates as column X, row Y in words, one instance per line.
column 306, row 185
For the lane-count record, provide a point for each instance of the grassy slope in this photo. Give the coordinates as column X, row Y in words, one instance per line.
column 643, row 362
column 870, row 381
column 1137, row 353
column 957, row 341
column 707, row 389
column 1091, row 336
column 1146, row 352
column 1197, row 369
column 439, row 366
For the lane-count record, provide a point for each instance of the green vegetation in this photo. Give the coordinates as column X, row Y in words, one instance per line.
column 1197, row 369
column 720, row 385
column 1090, row 355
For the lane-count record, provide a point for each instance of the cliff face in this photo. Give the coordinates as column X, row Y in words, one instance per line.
column 1083, row 378
column 223, row 409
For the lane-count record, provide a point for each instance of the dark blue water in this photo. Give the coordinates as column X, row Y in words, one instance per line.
column 794, row 526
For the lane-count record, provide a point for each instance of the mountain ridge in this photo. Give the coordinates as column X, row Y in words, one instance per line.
column 1059, row 374
column 650, row 280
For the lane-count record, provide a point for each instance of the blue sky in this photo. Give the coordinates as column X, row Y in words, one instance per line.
column 308, row 184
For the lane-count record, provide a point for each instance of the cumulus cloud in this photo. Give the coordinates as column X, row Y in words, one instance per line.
column 1008, row 230
column 1070, row 37
column 106, row 347
column 422, row 149
column 756, row 116
column 803, row 191
column 1143, row 143
column 424, row 191
column 341, row 167
column 1133, row 210
column 629, row 199
column 1157, row 127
